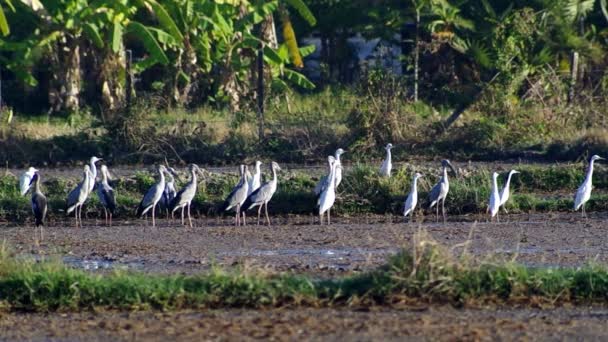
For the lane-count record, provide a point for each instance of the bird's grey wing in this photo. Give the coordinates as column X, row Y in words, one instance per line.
column 262, row 194
column 434, row 193
column 73, row 196
column 148, row 199
column 321, row 185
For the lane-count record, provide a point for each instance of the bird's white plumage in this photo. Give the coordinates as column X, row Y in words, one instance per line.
column 26, row 179
column 412, row 197
column 328, row 196
column 494, row 196
column 387, row 165
column 338, row 171
column 256, row 180
column 505, row 193
column 584, row 191
column 93, row 170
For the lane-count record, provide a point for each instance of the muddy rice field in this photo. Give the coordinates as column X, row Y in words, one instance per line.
column 295, row 244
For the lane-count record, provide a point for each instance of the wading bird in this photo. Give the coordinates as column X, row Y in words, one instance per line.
column 255, row 181
column 26, row 179
column 153, row 195
column 106, row 195
column 387, row 165
column 412, row 198
column 505, row 194
column 440, row 191
column 169, row 192
column 39, row 207
column 237, row 197
column 93, row 178
column 494, row 205
column 584, row 191
column 263, row 195
column 328, row 196
column 185, row 196
column 79, row 195
column 325, row 180
column 337, row 155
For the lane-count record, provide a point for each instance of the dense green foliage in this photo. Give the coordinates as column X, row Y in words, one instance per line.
column 427, row 273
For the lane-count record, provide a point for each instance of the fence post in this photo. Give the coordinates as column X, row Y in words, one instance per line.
column 573, row 76
column 128, row 81
column 260, row 92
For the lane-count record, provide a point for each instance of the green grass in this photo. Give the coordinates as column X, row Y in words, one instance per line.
column 427, row 273
column 536, row 189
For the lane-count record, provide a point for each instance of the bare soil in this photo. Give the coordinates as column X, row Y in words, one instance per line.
column 293, row 244
column 422, row 323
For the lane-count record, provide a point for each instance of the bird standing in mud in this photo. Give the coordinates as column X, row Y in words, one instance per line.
column 328, row 196
column 169, row 192
column 106, row 195
column 584, row 191
column 494, row 205
column 237, row 197
column 505, row 194
column 440, row 191
column 264, row 194
column 79, row 195
column 39, row 207
column 185, row 196
column 412, row 198
column 26, row 179
column 387, row 165
column 152, row 196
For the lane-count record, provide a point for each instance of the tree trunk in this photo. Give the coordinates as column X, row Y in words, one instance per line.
column 64, row 93
column 416, row 55
column 111, row 78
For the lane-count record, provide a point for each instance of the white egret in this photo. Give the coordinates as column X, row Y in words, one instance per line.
column 328, row 196
column 93, row 178
column 387, row 165
column 337, row 155
column 584, row 191
column 256, row 180
column 494, row 197
column 412, row 197
column 505, row 194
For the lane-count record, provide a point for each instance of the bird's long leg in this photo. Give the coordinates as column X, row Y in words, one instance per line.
column 184, row 207
column 41, row 233
column 329, row 217
column 498, row 216
column 36, row 235
column 189, row 217
column 266, row 209
column 443, row 209
column 321, row 219
column 437, row 211
column 244, row 217
column 153, row 214
column 110, row 219
column 259, row 213
column 78, row 217
column 237, row 216
column 105, row 213
column 584, row 212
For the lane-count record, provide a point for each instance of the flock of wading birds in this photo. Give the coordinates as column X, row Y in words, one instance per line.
column 250, row 192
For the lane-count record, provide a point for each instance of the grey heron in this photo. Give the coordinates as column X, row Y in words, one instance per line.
column 237, row 196
column 256, row 179
column 263, row 194
column 79, row 195
column 93, row 167
column 39, row 207
column 328, row 196
column 440, row 191
column 185, row 196
column 494, row 205
column 106, row 194
column 26, row 179
column 412, row 198
column 324, row 182
column 153, row 195
column 169, row 192
column 505, row 194
column 584, row 191
column 387, row 165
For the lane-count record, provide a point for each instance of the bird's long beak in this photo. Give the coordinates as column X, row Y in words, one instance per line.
column 453, row 169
